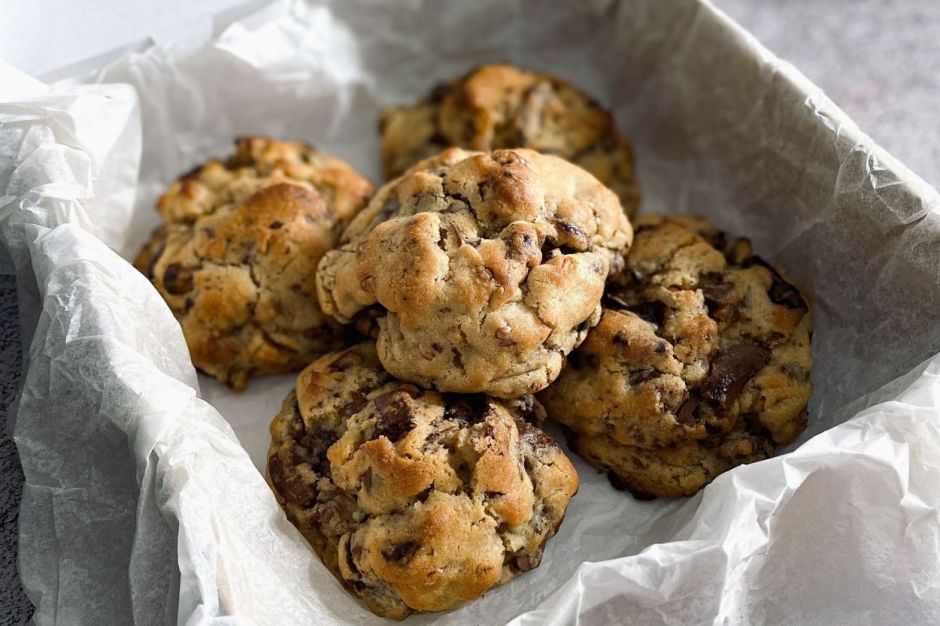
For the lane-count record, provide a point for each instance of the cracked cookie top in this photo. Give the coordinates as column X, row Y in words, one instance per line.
column 481, row 270
column 415, row 500
column 700, row 343
column 500, row 106
column 236, row 257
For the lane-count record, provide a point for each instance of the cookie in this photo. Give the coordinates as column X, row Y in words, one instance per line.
column 500, row 106
column 479, row 271
column 236, row 257
column 414, row 500
column 701, row 361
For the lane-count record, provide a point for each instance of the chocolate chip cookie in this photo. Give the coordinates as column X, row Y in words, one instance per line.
column 236, row 257
column 700, row 362
column 500, row 106
column 478, row 271
column 414, row 500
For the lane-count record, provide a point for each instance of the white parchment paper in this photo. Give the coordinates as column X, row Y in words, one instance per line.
column 143, row 500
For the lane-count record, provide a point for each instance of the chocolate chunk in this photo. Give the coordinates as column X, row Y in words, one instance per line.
column 730, row 371
column 718, row 299
column 686, row 414
column 535, row 438
column 356, row 403
column 548, row 248
column 350, row 560
column 288, row 484
column 522, row 246
column 572, row 236
column 713, row 429
column 642, row 375
column 402, row 552
column 718, row 294
column 524, row 563
column 653, row 312
column 423, row 496
column 177, row 279
column 583, row 326
column 738, row 252
column 458, row 361
column 395, row 415
column 316, row 444
column 467, row 409
column 781, row 292
column 442, row 239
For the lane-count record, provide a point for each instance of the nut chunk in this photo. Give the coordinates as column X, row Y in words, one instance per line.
column 482, row 270
column 236, row 258
column 414, row 500
column 701, row 362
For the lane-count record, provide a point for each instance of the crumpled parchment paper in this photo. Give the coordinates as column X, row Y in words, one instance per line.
column 143, row 499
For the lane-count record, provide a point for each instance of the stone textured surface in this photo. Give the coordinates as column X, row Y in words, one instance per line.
column 15, row 607
column 878, row 59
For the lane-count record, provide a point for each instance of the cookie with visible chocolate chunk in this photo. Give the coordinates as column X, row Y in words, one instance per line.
column 701, row 362
column 500, row 106
column 480, row 270
column 415, row 500
column 237, row 254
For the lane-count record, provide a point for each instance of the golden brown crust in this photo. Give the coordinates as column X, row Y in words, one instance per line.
column 261, row 162
column 415, row 500
column 500, row 106
column 482, row 270
column 236, row 257
column 701, row 361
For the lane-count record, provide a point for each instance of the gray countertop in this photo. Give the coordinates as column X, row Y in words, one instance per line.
column 878, row 59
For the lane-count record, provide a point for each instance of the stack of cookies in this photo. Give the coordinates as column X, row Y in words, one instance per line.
column 494, row 282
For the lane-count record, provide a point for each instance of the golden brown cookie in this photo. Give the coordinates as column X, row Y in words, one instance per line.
column 236, row 257
column 500, row 106
column 482, row 270
column 700, row 362
column 414, row 500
